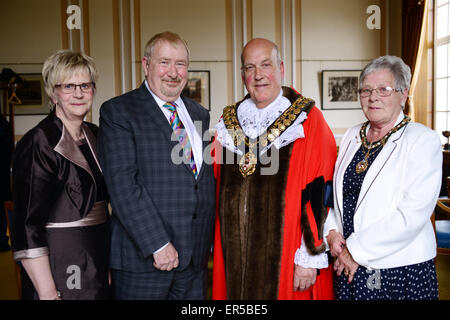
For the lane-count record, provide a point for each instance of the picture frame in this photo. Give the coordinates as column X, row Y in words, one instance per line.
column 340, row 89
column 198, row 87
column 32, row 95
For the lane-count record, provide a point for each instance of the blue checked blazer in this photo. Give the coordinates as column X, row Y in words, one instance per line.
column 154, row 200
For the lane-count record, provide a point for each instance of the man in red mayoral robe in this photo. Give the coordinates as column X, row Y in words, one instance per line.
column 275, row 156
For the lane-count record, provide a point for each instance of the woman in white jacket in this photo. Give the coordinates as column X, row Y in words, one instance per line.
column 386, row 182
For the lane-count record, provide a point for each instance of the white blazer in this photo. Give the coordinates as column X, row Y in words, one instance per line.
column 392, row 226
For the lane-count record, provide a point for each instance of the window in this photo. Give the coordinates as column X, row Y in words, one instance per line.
column 442, row 67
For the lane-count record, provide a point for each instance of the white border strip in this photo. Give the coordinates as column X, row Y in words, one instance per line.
column 233, row 32
column 133, row 47
column 122, row 45
column 293, row 45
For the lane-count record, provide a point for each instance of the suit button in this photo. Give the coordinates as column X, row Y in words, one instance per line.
column 196, row 187
column 194, row 216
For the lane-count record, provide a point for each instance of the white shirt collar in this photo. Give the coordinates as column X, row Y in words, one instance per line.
column 183, row 114
column 275, row 102
column 161, row 102
column 255, row 121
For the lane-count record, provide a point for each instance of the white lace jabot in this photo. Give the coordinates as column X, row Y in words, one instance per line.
column 255, row 121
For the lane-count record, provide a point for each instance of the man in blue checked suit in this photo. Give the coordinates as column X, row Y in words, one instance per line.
column 162, row 192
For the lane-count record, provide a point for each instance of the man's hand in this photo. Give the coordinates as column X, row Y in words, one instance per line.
column 304, row 278
column 166, row 259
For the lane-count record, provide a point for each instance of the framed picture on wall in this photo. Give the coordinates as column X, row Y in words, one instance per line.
column 31, row 94
column 340, row 89
column 198, row 87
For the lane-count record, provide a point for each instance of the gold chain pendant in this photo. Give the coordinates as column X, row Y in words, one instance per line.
column 362, row 166
column 364, row 163
column 247, row 164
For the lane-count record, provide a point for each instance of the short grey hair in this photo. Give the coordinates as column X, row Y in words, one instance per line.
column 166, row 36
column 400, row 70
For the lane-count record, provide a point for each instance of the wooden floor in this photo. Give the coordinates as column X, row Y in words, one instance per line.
column 443, row 273
column 8, row 284
column 9, row 290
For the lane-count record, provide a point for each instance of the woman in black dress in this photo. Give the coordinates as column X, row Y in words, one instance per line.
column 61, row 220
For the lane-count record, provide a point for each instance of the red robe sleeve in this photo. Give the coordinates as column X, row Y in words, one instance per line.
column 219, row 290
column 312, row 157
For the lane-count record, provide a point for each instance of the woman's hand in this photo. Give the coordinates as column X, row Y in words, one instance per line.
column 38, row 269
column 336, row 242
column 345, row 263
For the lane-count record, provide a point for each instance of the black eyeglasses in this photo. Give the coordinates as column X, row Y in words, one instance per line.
column 380, row 91
column 86, row 87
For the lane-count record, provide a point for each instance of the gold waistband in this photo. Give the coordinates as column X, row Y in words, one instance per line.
column 97, row 215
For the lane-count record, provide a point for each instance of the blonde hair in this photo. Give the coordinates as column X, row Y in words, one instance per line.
column 167, row 36
column 63, row 64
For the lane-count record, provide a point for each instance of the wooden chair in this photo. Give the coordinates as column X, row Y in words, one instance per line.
column 442, row 228
column 448, row 186
column 9, row 209
column 441, row 222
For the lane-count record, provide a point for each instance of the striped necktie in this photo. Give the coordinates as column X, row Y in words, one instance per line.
column 182, row 136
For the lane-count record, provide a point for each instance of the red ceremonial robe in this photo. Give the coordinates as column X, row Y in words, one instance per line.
column 311, row 157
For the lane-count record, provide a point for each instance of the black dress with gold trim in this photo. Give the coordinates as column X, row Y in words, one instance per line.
column 60, row 210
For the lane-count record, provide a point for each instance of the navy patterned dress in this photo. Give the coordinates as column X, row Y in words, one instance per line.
column 413, row 282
